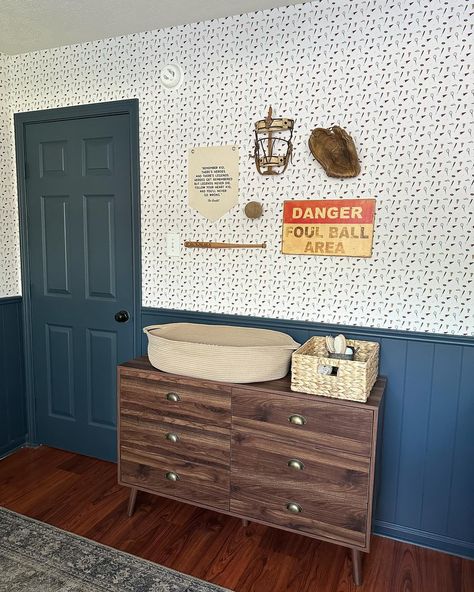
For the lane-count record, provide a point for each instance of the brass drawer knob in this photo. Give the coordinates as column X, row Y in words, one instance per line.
column 297, row 419
column 172, row 437
column 172, row 476
column 173, row 397
column 296, row 464
column 294, row 508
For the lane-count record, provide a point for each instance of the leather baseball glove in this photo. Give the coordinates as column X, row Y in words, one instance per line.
column 335, row 151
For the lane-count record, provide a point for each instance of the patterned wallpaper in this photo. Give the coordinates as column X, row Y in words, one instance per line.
column 394, row 74
column 9, row 242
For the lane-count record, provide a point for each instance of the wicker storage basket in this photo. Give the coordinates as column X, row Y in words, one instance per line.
column 220, row 352
column 353, row 380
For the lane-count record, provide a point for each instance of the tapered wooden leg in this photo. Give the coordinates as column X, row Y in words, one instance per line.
column 357, row 566
column 245, row 523
column 131, row 501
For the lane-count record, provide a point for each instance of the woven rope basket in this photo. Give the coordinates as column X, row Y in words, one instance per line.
column 354, row 379
column 220, row 352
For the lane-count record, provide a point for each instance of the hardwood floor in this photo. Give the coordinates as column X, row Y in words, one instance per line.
column 81, row 495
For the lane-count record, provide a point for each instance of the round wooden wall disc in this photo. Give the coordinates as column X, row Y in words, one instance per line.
column 253, row 209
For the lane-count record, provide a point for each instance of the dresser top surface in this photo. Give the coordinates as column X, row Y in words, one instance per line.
column 281, row 386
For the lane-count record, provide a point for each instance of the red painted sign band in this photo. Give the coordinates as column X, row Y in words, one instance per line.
column 329, row 211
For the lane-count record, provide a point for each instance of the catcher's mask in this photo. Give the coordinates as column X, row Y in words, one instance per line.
column 273, row 145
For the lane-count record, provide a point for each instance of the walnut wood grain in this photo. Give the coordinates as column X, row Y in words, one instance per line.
column 335, row 519
column 147, row 398
column 356, row 557
column 343, row 428
column 132, row 500
column 202, row 483
column 196, row 444
column 331, row 486
column 325, row 473
column 141, row 367
column 234, row 445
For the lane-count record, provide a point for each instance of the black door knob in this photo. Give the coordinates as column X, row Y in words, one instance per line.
column 122, row 316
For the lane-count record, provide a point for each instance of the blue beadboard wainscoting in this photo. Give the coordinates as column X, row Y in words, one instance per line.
column 12, row 389
column 427, row 471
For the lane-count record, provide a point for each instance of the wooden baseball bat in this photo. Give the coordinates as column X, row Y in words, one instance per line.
column 211, row 245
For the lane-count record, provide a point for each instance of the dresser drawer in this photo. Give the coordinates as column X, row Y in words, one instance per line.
column 195, row 482
column 154, row 399
column 338, row 426
column 333, row 519
column 324, row 472
column 175, row 439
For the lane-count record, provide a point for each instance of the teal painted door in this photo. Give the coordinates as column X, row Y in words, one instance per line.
column 80, row 236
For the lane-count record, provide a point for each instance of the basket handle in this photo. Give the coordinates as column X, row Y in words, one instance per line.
column 146, row 330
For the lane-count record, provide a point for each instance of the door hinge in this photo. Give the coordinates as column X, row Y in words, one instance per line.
column 27, row 170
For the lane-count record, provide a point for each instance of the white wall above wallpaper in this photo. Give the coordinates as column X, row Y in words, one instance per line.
column 393, row 74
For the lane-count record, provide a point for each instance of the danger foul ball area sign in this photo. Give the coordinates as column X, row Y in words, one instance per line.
column 340, row 227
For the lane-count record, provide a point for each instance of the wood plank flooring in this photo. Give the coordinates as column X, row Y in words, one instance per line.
column 81, row 495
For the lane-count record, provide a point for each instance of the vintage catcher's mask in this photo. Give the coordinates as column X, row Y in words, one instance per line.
column 273, row 145
column 335, row 151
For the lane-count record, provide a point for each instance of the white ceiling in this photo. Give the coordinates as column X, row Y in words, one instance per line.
column 29, row 25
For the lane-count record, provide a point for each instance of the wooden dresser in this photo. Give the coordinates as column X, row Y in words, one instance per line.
column 260, row 452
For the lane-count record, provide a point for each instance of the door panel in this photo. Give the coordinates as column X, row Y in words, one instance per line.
column 55, row 236
column 80, row 240
column 52, row 158
column 98, row 156
column 101, row 373
column 99, row 246
column 60, row 365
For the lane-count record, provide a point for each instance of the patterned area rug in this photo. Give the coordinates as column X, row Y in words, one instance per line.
column 36, row 557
